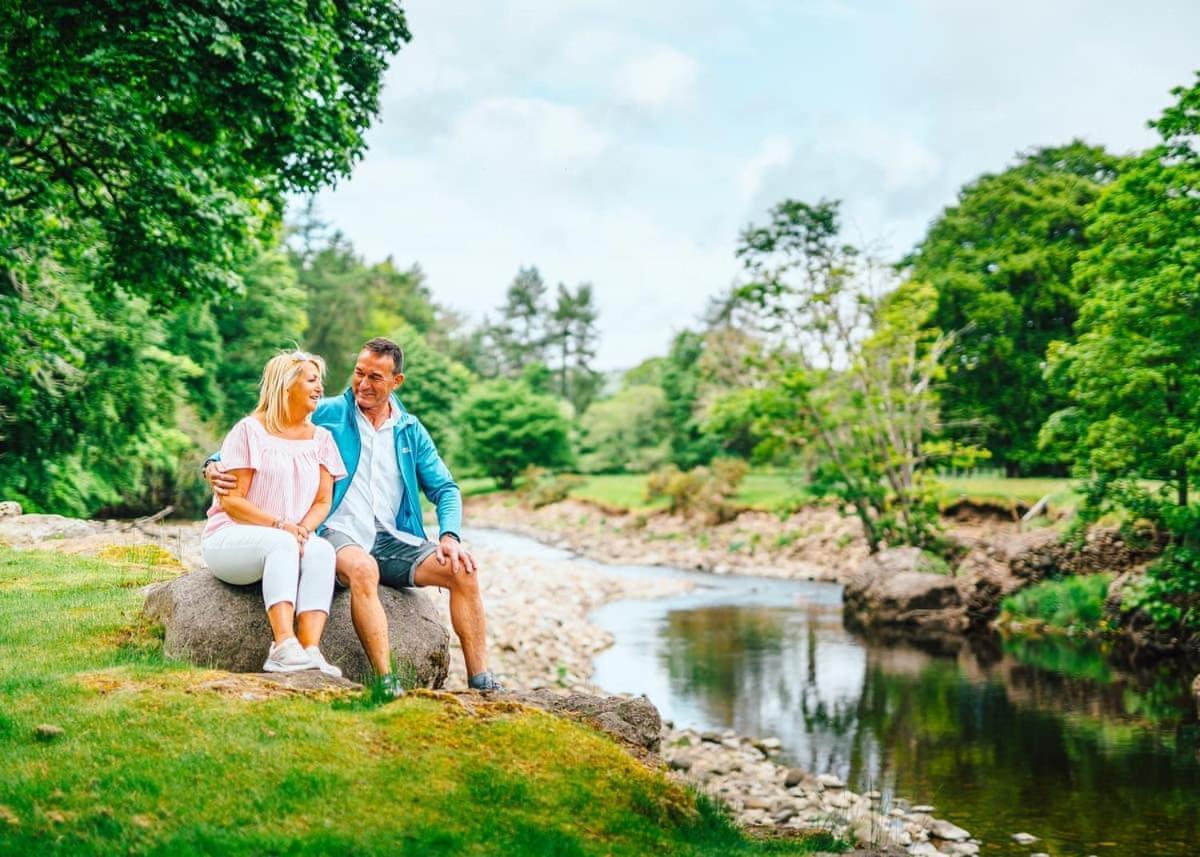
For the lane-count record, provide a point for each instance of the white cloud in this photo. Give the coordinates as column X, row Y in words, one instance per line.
column 518, row 132
column 659, row 76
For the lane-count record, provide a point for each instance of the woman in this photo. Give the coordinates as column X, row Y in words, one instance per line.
column 263, row 529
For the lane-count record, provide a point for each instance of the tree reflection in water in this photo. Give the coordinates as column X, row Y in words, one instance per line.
column 1049, row 736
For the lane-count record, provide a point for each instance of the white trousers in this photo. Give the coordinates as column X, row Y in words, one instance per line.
column 242, row 554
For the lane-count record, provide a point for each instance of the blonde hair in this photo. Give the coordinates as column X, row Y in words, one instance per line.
column 278, row 376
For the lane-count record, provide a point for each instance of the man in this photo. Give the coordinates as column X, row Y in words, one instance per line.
column 375, row 523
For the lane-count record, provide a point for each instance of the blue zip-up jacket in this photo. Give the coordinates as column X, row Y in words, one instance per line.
column 420, row 465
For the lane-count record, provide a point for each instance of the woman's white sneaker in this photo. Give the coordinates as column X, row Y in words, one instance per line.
column 288, row 657
column 322, row 664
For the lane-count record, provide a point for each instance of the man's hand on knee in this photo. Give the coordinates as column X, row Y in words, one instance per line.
column 459, row 558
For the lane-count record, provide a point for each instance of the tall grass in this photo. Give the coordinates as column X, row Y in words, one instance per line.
column 1074, row 603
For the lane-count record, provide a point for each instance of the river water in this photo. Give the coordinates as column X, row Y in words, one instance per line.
column 1052, row 738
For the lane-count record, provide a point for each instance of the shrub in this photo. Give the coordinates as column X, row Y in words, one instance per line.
column 1069, row 603
column 703, row 492
column 540, row 487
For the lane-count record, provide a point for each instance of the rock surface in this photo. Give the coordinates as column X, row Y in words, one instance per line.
column 211, row 623
column 633, row 720
column 897, row 589
column 24, row 530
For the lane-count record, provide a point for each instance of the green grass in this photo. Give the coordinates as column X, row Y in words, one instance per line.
column 773, row 490
column 999, row 488
column 1074, row 603
column 149, row 764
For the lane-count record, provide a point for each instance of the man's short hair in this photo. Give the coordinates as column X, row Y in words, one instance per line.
column 380, row 346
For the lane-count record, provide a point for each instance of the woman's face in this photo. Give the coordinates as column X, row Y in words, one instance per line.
column 306, row 391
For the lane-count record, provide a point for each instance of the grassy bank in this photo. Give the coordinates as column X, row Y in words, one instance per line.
column 147, row 763
column 1069, row 605
column 773, row 491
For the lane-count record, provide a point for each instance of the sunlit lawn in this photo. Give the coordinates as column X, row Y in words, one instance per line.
column 774, row 490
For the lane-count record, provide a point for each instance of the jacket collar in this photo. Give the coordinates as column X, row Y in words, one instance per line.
column 405, row 418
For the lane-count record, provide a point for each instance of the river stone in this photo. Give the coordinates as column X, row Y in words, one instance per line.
column 1024, row 838
column 830, row 781
column 10, row 509
column 945, row 830
column 23, row 530
column 794, row 777
column 898, row 590
column 214, row 624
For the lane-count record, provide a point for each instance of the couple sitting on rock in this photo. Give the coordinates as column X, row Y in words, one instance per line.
column 284, row 512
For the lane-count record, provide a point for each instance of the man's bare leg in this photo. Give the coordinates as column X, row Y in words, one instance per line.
column 466, row 608
column 358, row 570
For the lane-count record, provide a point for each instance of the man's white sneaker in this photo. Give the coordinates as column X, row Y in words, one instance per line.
column 288, row 657
column 322, row 664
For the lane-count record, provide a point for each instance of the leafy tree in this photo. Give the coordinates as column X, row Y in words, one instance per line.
column 572, row 335
column 1132, row 370
column 624, row 432
column 520, row 335
column 853, row 366
column 162, row 135
column 269, row 317
column 681, row 381
column 433, row 386
column 506, row 427
column 1002, row 261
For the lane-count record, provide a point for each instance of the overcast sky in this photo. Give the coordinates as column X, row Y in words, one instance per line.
column 626, row 144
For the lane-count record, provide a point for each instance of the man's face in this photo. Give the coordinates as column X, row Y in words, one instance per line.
column 374, row 379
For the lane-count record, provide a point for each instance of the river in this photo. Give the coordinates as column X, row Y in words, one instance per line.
column 1050, row 738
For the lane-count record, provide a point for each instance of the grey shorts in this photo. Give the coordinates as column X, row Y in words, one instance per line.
column 397, row 560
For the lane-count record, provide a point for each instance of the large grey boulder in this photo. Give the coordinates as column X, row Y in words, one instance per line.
column 214, row 624
column 899, row 590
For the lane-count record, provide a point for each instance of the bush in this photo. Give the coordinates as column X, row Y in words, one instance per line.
column 1074, row 603
column 506, row 427
column 704, row 492
column 540, row 487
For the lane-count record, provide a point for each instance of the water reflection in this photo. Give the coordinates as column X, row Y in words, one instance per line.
column 1049, row 737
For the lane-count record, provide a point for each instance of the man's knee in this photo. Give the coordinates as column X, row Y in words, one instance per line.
column 465, row 583
column 359, row 571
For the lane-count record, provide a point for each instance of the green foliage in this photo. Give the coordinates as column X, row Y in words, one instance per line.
column 852, row 367
column 681, row 381
column 1002, row 262
column 571, row 337
column 506, row 427
column 160, row 137
column 541, row 487
column 1134, row 423
column 706, row 493
column 1074, row 603
column 433, row 386
column 623, row 433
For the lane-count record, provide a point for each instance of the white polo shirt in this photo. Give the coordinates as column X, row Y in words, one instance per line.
column 373, row 499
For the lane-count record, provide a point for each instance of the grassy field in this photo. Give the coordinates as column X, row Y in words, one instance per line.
column 147, row 764
column 772, row 491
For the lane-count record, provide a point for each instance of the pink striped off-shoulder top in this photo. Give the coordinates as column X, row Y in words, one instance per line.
column 287, row 473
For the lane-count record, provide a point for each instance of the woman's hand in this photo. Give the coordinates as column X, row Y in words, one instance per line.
column 298, row 530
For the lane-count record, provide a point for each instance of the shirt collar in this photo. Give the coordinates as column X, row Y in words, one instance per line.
column 392, row 418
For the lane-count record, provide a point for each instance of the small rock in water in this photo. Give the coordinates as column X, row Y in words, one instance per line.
column 829, row 781
column 923, row 849
column 945, row 830
column 48, row 732
column 1039, row 854
column 769, row 745
column 795, row 776
column 711, row 737
column 1024, row 838
column 755, row 802
column 922, row 808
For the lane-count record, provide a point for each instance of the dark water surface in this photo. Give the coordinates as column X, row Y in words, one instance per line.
column 1051, row 738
